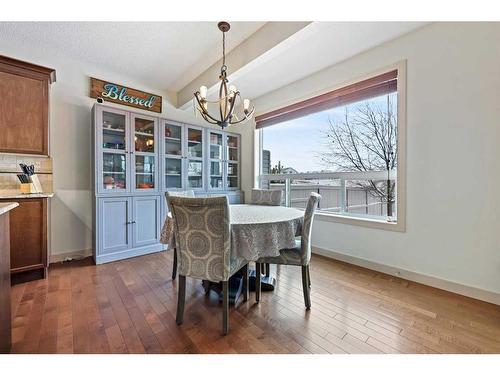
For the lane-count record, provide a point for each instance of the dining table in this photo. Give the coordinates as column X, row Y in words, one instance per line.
column 256, row 231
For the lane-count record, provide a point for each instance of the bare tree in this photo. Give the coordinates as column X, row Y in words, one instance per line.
column 365, row 140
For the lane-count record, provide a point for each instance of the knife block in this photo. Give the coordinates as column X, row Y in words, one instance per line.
column 27, row 188
column 36, row 184
column 33, row 187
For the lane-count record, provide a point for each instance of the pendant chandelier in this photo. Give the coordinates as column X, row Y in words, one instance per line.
column 232, row 109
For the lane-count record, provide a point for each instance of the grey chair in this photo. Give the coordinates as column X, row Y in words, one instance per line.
column 300, row 255
column 266, row 197
column 203, row 240
column 168, row 194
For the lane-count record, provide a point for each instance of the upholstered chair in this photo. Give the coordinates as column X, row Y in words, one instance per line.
column 203, row 240
column 300, row 255
column 266, row 197
column 184, row 193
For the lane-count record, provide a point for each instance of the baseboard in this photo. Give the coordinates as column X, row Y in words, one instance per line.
column 79, row 254
column 129, row 253
column 450, row 286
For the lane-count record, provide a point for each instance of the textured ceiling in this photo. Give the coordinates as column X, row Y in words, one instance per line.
column 151, row 52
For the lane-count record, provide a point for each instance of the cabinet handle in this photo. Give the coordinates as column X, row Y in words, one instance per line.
column 128, row 222
column 133, row 222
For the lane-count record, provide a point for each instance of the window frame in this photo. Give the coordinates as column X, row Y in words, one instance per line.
column 400, row 224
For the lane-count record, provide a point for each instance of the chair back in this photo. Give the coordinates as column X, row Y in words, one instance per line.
column 312, row 204
column 202, row 234
column 183, row 193
column 266, row 197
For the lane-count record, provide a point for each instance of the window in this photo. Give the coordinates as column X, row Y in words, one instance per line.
column 342, row 145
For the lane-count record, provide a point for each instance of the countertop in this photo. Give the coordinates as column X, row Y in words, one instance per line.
column 6, row 207
column 16, row 194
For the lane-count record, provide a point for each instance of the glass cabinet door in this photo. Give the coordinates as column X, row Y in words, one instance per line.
column 232, row 181
column 114, row 131
column 233, row 159
column 113, row 128
column 232, row 147
column 216, row 160
column 144, row 129
column 173, row 156
column 194, row 151
column 114, row 171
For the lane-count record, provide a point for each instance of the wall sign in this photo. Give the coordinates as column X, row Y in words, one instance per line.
column 111, row 92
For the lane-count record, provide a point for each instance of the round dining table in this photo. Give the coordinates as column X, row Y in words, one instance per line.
column 262, row 231
column 256, row 230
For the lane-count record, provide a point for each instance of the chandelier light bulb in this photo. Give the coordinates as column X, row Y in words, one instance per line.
column 232, row 89
column 246, row 104
column 203, row 92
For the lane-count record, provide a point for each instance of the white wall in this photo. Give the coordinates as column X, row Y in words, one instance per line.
column 70, row 138
column 453, row 154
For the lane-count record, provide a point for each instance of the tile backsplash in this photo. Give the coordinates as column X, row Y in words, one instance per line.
column 9, row 168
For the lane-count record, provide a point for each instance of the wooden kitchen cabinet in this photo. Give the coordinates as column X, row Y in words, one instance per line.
column 24, row 107
column 28, row 239
column 5, row 312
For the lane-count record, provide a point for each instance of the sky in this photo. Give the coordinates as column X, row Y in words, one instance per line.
column 296, row 143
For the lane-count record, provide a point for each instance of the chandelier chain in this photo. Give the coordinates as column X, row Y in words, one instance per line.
column 223, row 67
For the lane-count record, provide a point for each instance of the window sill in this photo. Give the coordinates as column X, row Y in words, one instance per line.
column 362, row 221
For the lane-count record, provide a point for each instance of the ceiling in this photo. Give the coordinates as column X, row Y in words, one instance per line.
column 173, row 56
column 316, row 47
column 151, row 52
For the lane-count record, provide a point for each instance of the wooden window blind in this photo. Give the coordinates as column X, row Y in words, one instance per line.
column 382, row 84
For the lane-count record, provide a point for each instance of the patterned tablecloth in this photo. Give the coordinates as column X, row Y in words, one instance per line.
column 256, row 231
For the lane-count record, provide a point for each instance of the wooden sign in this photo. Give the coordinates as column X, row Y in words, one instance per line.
column 111, row 92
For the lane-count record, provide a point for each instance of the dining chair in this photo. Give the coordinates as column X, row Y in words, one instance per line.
column 203, row 239
column 300, row 255
column 266, row 197
column 168, row 194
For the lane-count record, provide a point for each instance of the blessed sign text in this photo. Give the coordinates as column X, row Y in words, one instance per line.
column 115, row 93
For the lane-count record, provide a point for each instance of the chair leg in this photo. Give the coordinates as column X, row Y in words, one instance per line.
column 174, row 268
column 305, row 288
column 181, row 299
column 225, row 307
column 257, row 282
column 308, row 276
column 268, row 269
column 245, row 283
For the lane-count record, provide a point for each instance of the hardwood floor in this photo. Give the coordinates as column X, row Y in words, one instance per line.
column 129, row 307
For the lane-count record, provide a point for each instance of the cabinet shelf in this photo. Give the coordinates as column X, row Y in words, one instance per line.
column 145, row 134
column 104, row 172
column 173, row 139
column 114, row 130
